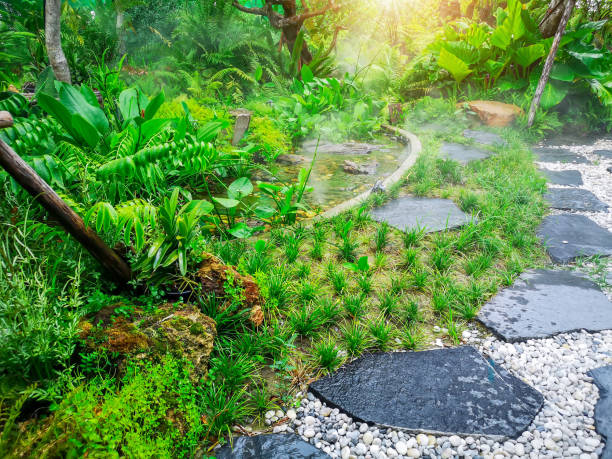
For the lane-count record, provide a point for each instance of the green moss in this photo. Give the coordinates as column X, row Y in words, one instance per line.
column 196, row 329
column 201, row 113
column 271, row 141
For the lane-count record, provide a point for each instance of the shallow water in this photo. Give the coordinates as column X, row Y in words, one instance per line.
column 331, row 184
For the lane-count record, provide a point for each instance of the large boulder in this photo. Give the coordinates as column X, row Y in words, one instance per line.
column 127, row 331
column 493, row 113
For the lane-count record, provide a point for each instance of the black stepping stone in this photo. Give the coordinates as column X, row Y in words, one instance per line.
column 568, row 236
column 431, row 213
column 604, row 153
column 462, row 153
column 272, row 446
column 602, row 377
column 568, row 178
column 543, row 303
column 446, row 391
column 561, row 155
column 574, row 199
column 484, row 137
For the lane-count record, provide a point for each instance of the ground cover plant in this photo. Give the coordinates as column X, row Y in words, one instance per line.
column 238, row 298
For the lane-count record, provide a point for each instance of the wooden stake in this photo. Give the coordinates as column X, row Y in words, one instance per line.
column 69, row 219
column 535, row 103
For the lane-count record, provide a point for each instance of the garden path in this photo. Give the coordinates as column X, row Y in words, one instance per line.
column 529, row 391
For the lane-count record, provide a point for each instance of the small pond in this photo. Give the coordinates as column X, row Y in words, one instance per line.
column 331, row 182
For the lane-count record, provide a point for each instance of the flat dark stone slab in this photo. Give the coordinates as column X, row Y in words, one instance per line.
column 602, row 377
column 347, row 148
column 574, row 199
column 483, row 137
column 568, row 236
column 561, row 155
column 463, row 153
column 452, row 390
column 543, row 303
column 272, row 446
column 568, row 178
column 431, row 213
column 604, row 153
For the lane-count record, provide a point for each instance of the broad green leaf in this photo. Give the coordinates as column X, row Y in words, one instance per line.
column 260, row 245
column 240, row 188
column 57, row 110
column 264, row 212
column 456, row 67
column 210, row 130
column 198, row 206
column 464, row 51
column 362, row 264
column 154, row 105
column 241, row 231
column 562, row 72
column 89, row 96
column 75, row 102
column 307, row 76
column 227, row 203
column 128, row 104
column 527, row 55
column 151, row 127
column 85, row 130
column 502, row 35
column 553, row 95
column 258, row 73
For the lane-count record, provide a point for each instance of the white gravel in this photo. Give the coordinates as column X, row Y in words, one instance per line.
column 564, row 427
column 595, row 176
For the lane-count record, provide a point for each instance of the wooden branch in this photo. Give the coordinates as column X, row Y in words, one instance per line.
column 244, row 9
column 300, row 18
column 549, row 62
column 6, row 120
column 73, row 223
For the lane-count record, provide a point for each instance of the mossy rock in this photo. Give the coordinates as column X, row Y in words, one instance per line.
column 179, row 329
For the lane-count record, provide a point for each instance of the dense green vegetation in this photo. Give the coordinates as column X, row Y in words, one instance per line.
column 139, row 145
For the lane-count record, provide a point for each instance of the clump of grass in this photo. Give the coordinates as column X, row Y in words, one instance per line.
column 354, row 305
column 451, row 326
column 388, row 304
column 230, row 370
column 307, row 291
column 336, row 278
column 305, row 320
column 468, row 201
column 419, row 278
column 440, row 302
column 410, row 312
column 450, row 171
column 347, row 249
column 365, row 284
column 399, row 284
column 302, row 270
column 316, row 252
column 380, row 260
column 411, row 338
column 381, row 236
column 410, row 257
column 276, row 286
column 326, row 354
column 477, row 265
column 330, row 310
column 441, row 259
column 468, row 310
column 355, row 338
column 413, row 236
column 381, row 332
column 261, row 401
column 291, row 246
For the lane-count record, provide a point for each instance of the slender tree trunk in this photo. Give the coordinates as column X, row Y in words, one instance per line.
column 551, row 20
column 53, row 40
column 549, row 61
column 25, row 176
column 120, row 32
column 290, row 34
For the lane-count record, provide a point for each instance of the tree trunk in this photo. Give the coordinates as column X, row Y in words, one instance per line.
column 53, row 40
column 549, row 62
column 551, row 20
column 290, row 34
column 25, row 176
column 120, row 29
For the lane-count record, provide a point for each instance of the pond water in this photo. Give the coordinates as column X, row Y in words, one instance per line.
column 330, row 182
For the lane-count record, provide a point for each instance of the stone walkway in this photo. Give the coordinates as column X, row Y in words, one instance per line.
column 539, row 390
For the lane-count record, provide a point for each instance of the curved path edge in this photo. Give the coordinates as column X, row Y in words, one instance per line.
column 415, row 146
